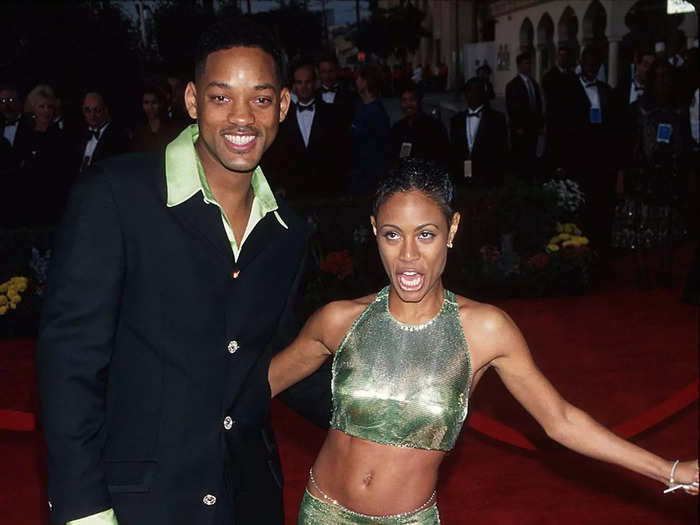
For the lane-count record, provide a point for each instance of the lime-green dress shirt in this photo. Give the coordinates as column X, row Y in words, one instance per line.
column 185, row 177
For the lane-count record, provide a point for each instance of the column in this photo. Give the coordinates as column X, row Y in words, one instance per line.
column 613, row 65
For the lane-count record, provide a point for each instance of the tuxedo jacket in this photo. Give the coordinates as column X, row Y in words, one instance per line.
column 316, row 170
column 427, row 136
column 520, row 114
column 151, row 338
column 344, row 104
column 113, row 141
column 489, row 153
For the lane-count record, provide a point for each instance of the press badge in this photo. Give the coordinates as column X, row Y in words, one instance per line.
column 467, row 169
column 405, row 150
column 596, row 117
column 663, row 133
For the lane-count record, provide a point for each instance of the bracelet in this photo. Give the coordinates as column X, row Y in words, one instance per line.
column 672, row 482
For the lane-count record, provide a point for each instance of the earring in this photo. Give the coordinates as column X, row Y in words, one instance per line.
column 449, row 244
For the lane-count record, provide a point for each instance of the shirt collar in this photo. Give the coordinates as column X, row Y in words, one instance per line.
column 184, row 176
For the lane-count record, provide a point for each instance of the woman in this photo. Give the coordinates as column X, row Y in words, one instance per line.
column 371, row 134
column 156, row 131
column 648, row 218
column 41, row 154
column 403, row 373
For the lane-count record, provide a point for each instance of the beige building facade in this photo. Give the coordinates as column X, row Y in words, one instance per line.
column 467, row 33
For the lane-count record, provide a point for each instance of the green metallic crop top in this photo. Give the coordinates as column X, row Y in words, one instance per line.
column 403, row 385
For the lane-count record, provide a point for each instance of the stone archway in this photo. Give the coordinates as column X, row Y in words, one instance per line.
column 527, row 36
column 545, row 44
column 567, row 29
column 594, row 23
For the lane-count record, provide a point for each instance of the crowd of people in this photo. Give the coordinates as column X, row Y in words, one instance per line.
column 169, row 317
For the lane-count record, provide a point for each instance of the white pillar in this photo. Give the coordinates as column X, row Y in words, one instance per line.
column 613, row 54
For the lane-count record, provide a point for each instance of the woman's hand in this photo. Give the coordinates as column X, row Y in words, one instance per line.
column 686, row 473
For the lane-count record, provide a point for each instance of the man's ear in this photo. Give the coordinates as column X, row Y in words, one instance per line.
column 285, row 100
column 191, row 100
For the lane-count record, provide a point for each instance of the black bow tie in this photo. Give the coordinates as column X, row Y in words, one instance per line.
column 637, row 87
column 476, row 114
column 592, row 83
column 94, row 133
column 12, row 122
column 308, row 107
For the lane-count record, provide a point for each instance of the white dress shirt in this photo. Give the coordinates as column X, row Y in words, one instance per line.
column 92, row 145
column 591, row 92
column 327, row 96
column 472, row 125
column 305, row 119
column 10, row 132
column 636, row 91
column 530, row 89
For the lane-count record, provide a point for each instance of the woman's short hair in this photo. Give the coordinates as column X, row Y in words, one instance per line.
column 413, row 174
column 38, row 92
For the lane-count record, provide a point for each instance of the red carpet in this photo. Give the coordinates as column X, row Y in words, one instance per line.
column 629, row 358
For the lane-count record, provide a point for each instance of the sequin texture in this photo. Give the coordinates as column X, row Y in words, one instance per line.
column 403, row 385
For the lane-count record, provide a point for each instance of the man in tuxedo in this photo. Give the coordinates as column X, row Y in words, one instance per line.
column 308, row 157
column 479, row 140
column 593, row 153
column 10, row 113
column 417, row 134
column 173, row 282
column 556, row 85
column 331, row 92
column 524, row 107
column 102, row 137
column 631, row 87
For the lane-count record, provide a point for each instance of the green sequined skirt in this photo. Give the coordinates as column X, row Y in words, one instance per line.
column 314, row 511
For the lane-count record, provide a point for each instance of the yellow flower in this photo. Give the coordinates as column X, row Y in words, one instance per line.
column 16, row 299
column 13, row 306
column 560, row 228
column 4, row 287
column 3, row 310
column 552, row 247
column 584, row 240
column 568, row 243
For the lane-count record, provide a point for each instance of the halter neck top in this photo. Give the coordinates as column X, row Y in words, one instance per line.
column 402, row 385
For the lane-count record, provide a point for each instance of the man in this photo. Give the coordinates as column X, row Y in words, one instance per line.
column 12, row 126
column 524, row 107
column 479, row 140
column 417, row 134
column 308, row 158
column 331, row 92
column 172, row 284
column 101, row 138
column 631, row 88
column 593, row 153
column 556, row 85
column 10, row 113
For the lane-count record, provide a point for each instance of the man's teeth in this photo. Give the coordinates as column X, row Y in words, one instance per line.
column 240, row 140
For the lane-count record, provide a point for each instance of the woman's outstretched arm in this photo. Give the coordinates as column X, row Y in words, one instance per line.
column 497, row 335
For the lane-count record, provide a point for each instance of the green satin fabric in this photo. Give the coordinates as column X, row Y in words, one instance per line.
column 403, row 385
column 313, row 511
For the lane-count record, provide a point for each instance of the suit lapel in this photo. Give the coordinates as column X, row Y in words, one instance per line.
column 264, row 235
column 204, row 222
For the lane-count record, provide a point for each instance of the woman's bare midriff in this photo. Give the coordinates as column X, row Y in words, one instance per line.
column 371, row 478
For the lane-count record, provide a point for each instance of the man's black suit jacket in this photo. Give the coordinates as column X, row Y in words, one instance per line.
column 490, row 151
column 316, row 170
column 149, row 341
column 520, row 114
column 113, row 141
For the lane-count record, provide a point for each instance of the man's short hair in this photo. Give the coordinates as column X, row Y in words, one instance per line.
column 301, row 64
column 590, row 52
column 523, row 56
column 238, row 32
column 328, row 58
column 474, row 82
column 411, row 87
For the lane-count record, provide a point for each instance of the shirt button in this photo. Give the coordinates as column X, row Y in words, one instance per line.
column 232, row 347
column 209, row 499
column 228, row 422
